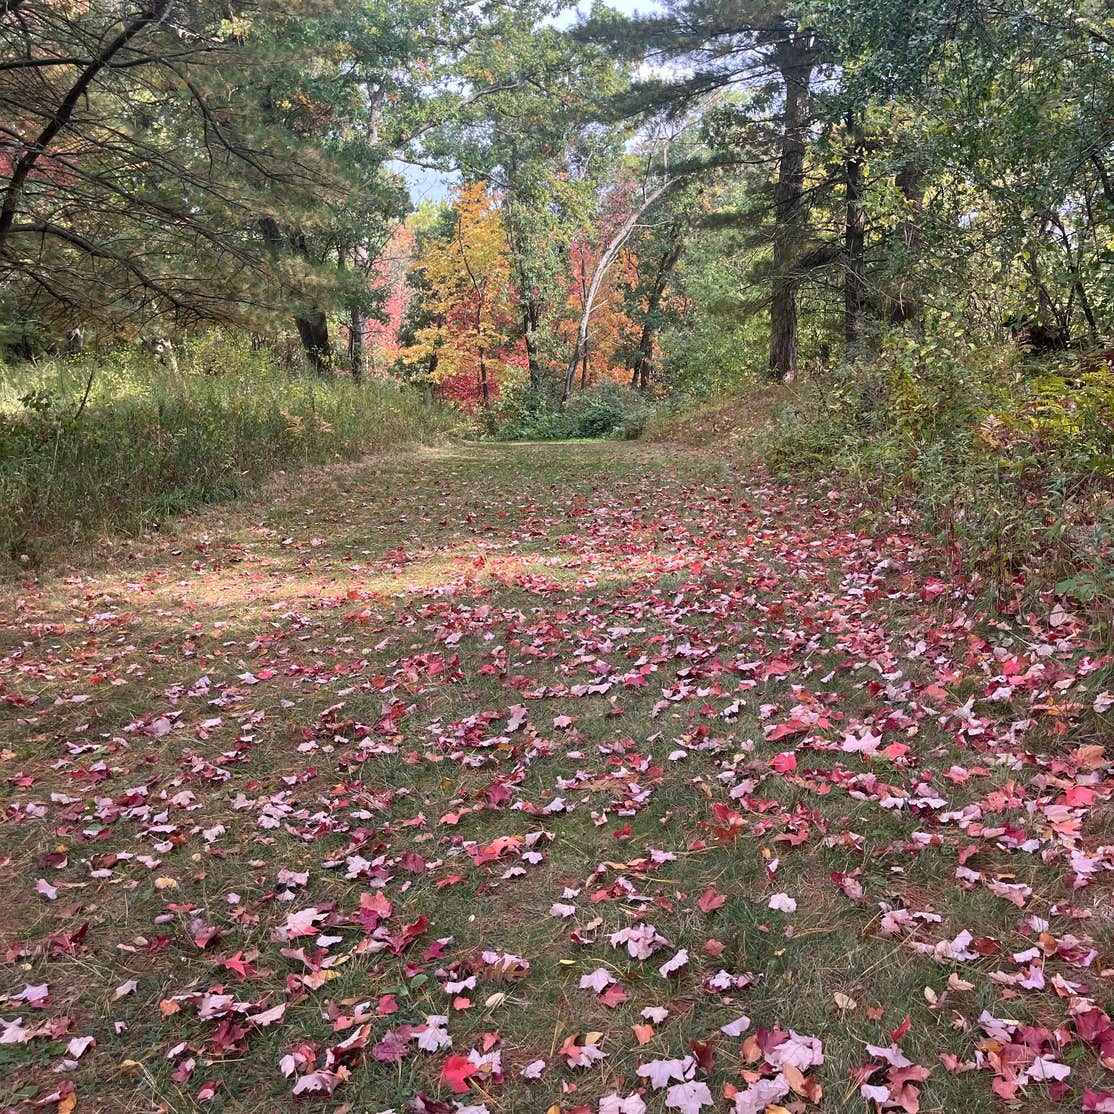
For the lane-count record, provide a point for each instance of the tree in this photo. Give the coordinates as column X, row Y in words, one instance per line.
column 178, row 164
column 468, row 340
column 659, row 250
column 613, row 330
column 656, row 184
column 380, row 341
column 350, row 81
column 976, row 141
column 794, row 56
column 521, row 116
column 130, row 178
column 719, row 49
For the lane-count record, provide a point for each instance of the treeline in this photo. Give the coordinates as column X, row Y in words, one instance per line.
column 935, row 167
column 168, row 165
column 453, row 318
column 672, row 200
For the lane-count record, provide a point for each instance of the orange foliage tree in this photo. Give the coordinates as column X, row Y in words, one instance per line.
column 613, row 333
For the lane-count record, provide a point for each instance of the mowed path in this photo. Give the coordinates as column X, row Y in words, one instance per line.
column 592, row 778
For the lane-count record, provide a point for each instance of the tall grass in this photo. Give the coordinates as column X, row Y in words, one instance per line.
column 116, row 441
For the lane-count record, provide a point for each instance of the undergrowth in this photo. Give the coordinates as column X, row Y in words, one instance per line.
column 1006, row 461
column 115, row 440
column 606, row 410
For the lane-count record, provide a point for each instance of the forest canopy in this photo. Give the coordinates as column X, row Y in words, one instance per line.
column 670, row 200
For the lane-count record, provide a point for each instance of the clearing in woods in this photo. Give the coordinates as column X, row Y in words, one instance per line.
column 581, row 778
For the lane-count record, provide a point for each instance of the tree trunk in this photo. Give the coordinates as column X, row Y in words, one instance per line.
column 313, row 328
column 355, row 344
column 584, row 282
column 603, row 264
column 313, row 325
column 905, row 306
column 1104, row 177
column 644, row 358
column 355, row 324
column 483, row 382
column 530, row 317
column 793, row 60
column 640, row 369
column 1077, row 281
column 783, row 330
column 521, row 245
column 854, row 243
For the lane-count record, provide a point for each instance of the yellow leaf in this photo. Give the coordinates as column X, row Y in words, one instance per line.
column 67, row 1104
column 794, row 1077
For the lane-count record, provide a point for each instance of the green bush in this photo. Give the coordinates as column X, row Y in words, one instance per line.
column 1008, row 462
column 149, row 442
column 606, row 410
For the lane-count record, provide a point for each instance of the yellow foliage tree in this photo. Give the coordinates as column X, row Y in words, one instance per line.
column 470, row 304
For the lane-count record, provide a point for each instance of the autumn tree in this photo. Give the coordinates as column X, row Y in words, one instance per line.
column 612, row 333
column 523, row 116
column 468, row 342
column 627, row 205
column 380, row 331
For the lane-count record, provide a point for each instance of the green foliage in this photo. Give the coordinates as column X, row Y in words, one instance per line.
column 186, row 164
column 987, row 154
column 606, row 410
column 149, row 443
column 1008, row 463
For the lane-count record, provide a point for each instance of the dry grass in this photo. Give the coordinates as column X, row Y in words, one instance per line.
column 728, row 424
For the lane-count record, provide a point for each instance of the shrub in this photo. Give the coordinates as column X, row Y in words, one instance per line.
column 606, row 410
column 1007, row 462
column 148, row 442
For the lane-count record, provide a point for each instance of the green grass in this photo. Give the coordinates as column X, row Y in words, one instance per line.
column 148, row 443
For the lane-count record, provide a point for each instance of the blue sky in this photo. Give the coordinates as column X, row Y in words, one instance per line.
column 432, row 185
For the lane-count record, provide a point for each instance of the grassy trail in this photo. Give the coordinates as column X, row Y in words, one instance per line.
column 647, row 784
